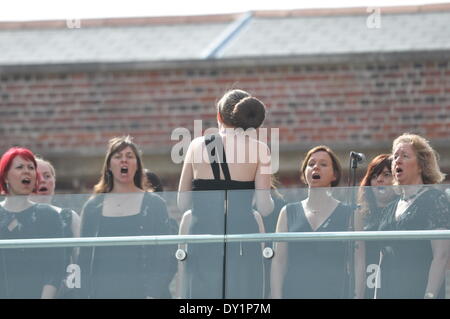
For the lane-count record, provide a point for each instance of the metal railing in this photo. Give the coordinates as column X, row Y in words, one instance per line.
column 190, row 239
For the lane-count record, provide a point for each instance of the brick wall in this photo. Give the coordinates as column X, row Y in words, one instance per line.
column 344, row 105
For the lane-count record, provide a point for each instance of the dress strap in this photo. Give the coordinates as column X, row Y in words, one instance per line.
column 212, row 154
column 213, row 142
column 295, row 216
column 223, row 163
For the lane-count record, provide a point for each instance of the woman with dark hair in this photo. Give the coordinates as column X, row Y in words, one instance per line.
column 27, row 273
column 123, row 208
column 217, row 178
column 414, row 268
column 153, row 183
column 312, row 269
column 375, row 193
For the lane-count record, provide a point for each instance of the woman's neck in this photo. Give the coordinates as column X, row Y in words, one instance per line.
column 318, row 197
column 224, row 129
column 17, row 203
column 125, row 188
column 409, row 191
column 44, row 199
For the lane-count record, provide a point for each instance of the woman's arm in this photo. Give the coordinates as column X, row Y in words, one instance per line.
column 181, row 277
column 279, row 260
column 438, row 266
column 76, row 225
column 185, row 185
column 263, row 179
column 261, row 227
column 360, row 258
column 438, row 218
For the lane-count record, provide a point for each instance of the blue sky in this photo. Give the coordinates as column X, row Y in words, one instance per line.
column 23, row 10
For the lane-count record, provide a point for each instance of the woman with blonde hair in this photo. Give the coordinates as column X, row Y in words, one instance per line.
column 45, row 192
column 70, row 220
column 414, row 268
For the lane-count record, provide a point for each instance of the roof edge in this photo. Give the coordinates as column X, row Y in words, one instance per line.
column 119, row 22
column 354, row 58
column 218, row 18
column 352, row 11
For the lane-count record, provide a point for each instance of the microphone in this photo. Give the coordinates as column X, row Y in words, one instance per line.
column 360, row 157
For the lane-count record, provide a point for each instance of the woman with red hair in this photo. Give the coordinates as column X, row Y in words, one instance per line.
column 26, row 273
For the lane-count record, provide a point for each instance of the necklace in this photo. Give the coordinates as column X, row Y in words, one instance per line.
column 411, row 197
column 114, row 202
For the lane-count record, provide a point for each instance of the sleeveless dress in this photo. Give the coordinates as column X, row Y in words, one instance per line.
column 316, row 269
column 223, row 270
column 137, row 271
column 25, row 271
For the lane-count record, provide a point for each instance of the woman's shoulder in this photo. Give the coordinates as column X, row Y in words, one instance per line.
column 433, row 193
column 432, row 199
column 93, row 204
column 434, row 206
column 66, row 213
column 152, row 197
column 154, row 203
column 154, row 213
column 342, row 210
column 46, row 209
column 45, row 212
column 198, row 141
column 293, row 208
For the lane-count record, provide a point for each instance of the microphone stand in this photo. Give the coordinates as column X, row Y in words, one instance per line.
column 351, row 226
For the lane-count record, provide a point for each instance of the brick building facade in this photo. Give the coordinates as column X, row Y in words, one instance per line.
column 67, row 110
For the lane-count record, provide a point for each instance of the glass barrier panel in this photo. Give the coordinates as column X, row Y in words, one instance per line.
column 406, row 269
column 244, row 264
column 110, row 271
column 361, row 269
column 37, row 272
column 212, row 268
column 201, row 272
column 308, row 269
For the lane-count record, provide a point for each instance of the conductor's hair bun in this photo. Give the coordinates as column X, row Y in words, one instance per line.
column 248, row 113
column 241, row 110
